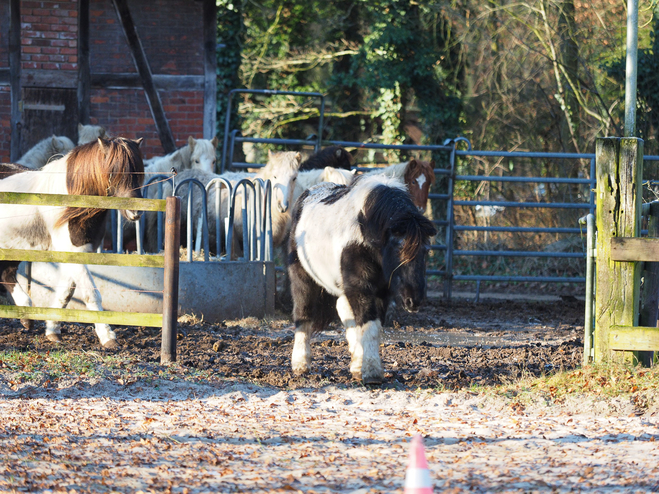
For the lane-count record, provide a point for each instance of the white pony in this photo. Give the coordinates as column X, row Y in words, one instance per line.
column 281, row 170
column 105, row 167
column 44, row 150
column 197, row 154
column 309, row 178
column 89, row 133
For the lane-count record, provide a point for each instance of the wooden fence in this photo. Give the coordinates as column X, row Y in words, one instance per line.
column 620, row 325
column 169, row 262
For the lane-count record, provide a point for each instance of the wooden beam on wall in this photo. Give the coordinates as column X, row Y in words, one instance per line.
column 69, row 79
column 84, row 71
column 210, row 69
column 163, row 82
column 15, row 77
column 142, row 64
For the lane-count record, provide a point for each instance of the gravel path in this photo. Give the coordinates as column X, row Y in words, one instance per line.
column 232, row 437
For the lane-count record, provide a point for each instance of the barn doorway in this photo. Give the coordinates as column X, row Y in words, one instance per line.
column 47, row 112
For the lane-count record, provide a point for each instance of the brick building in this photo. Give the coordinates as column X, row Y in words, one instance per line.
column 140, row 68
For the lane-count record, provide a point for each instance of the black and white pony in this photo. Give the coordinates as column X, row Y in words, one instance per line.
column 353, row 248
column 104, row 167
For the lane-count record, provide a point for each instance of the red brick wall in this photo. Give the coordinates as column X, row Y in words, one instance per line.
column 4, row 34
column 49, row 31
column 126, row 112
column 171, row 34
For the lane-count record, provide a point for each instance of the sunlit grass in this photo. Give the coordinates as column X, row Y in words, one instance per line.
column 36, row 368
column 602, row 380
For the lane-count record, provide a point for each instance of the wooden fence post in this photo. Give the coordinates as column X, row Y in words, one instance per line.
column 170, row 295
column 619, row 179
column 650, row 295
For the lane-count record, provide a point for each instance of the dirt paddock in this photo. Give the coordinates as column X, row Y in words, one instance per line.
column 254, row 427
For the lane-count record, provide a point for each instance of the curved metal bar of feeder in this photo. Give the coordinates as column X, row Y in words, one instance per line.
column 245, row 182
column 219, row 224
column 158, row 180
column 204, row 216
column 120, row 234
column 265, row 220
column 252, row 223
column 266, row 252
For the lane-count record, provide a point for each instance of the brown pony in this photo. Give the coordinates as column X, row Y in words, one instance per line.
column 418, row 177
column 105, row 167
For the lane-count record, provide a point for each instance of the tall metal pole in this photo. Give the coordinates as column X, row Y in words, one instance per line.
column 630, row 68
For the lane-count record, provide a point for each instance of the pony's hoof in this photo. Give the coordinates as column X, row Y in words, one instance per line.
column 368, row 379
column 27, row 323
column 111, row 345
column 54, row 337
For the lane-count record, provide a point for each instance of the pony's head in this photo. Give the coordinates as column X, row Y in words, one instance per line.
column 419, row 176
column 393, row 224
column 282, row 170
column 104, row 167
column 89, row 133
column 203, row 153
column 339, row 176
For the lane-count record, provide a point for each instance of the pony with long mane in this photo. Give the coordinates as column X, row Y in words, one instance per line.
column 105, row 167
column 418, row 176
column 352, row 249
column 197, row 154
column 42, row 152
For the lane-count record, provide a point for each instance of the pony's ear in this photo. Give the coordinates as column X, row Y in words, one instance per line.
column 102, row 145
column 215, row 141
column 139, row 141
column 298, row 158
column 80, row 126
column 432, row 171
column 191, row 142
column 269, row 154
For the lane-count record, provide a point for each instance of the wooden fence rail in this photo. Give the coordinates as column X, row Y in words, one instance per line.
column 169, row 262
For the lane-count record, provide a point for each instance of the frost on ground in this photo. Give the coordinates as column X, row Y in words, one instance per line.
column 254, row 427
column 235, row 437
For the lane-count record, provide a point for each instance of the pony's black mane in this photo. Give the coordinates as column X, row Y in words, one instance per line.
column 333, row 156
column 9, row 169
column 389, row 210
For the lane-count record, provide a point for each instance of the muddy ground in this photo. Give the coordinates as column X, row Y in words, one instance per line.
column 444, row 346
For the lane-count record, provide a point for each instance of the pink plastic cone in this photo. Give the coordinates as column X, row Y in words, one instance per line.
column 417, row 478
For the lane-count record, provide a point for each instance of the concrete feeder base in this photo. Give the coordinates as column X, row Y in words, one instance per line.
column 214, row 291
